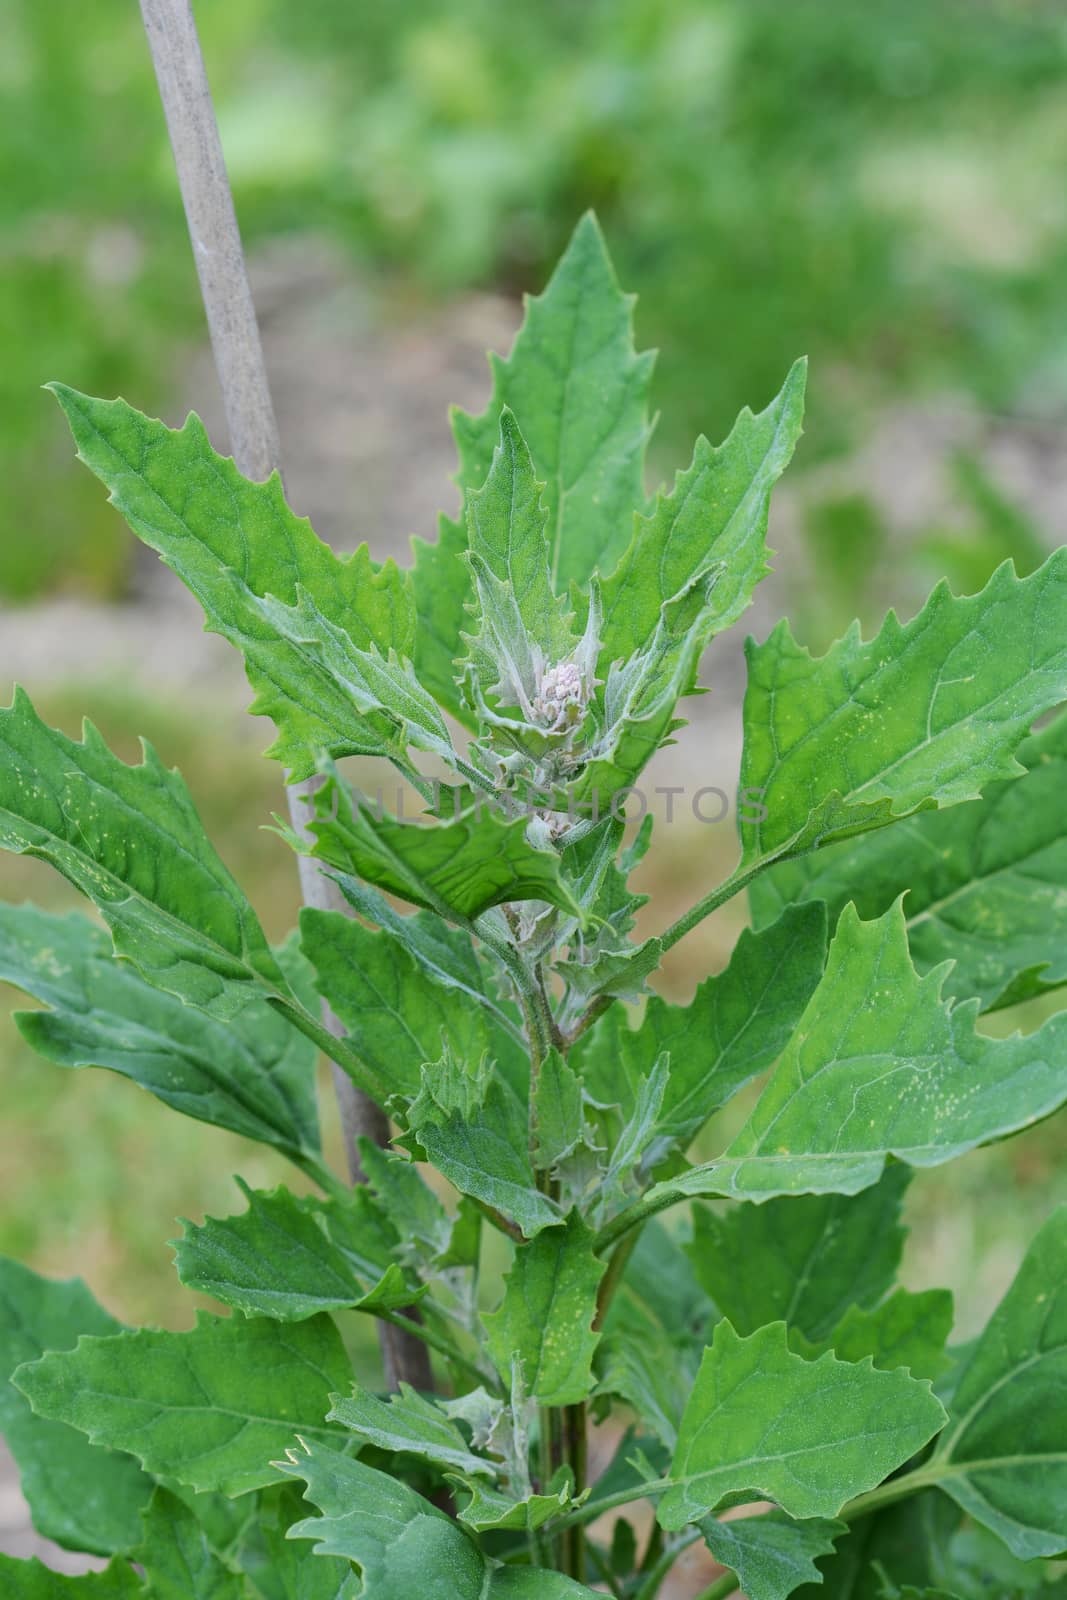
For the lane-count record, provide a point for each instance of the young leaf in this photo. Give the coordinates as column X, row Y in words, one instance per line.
column 985, row 886
column 82, row 1497
column 881, row 1065
column 130, row 840
column 401, row 1543
column 282, row 1567
column 523, row 626
column 398, row 1015
column 1003, row 1455
column 926, row 714
column 177, row 1556
column 487, row 1508
column 804, row 1259
column 545, row 1320
column 290, row 1258
column 715, row 516
column 809, row 1435
column 738, row 1023
column 320, row 635
column 458, row 869
column 254, row 1074
column 771, row 1555
column 206, row 1408
column 641, row 1363
column 31, row 1580
column 579, row 396
column 482, row 1145
column 408, row 1425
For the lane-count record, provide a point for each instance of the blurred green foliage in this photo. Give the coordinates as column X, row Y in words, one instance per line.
column 877, row 182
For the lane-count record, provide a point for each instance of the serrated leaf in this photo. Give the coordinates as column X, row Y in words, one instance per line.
column 559, row 1110
column 458, row 869
column 286, row 1564
column 1003, row 1456
column 737, row 1024
column 522, row 625
column 32, row 1580
column 483, row 1149
column 986, row 886
column 925, row 714
column 401, row 1543
column 640, row 1363
column 398, row 1015
column 640, row 1140
column 130, row 840
column 207, row 1408
column 290, row 1258
column 881, row 1065
column 545, row 1320
column 716, row 514
column 804, row 1259
column 808, row 1435
column 407, row 1424
column 178, row 1559
column 487, row 1508
column 254, row 1074
column 907, row 1330
column 83, row 1497
column 314, row 628
column 579, row 393
column 771, row 1555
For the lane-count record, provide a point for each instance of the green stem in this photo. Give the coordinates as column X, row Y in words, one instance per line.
column 888, row 1493
column 612, row 1278
column 633, row 1217
column 720, row 1589
column 658, row 1571
column 419, row 1330
column 575, row 1424
column 737, row 881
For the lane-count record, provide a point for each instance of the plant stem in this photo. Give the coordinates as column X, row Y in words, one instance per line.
column 575, row 1429
column 633, row 1217
column 720, row 1589
column 614, row 1274
column 662, row 1565
column 419, row 1330
column 737, row 881
column 238, row 351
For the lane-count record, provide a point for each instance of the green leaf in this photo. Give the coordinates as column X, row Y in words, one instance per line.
column 178, row 1559
column 205, row 1408
column 803, row 1259
column 523, row 626
column 738, row 1023
column 926, row 714
column 80, row 1496
column 809, row 1435
column 285, row 1563
column 486, row 1508
column 881, row 1065
column 423, row 1226
column 580, row 396
column 482, row 1147
column 401, row 1543
column 31, row 1580
column 129, row 839
column 907, row 1330
column 985, row 886
column 1003, row 1455
column 290, row 1258
column 639, row 1362
column 458, row 869
column 254, row 1074
column 407, row 1424
column 546, row 1317
column 399, row 1016
column 771, row 1555
column 558, row 1111
column 715, row 516
column 317, row 632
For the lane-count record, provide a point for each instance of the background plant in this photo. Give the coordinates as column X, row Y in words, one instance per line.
column 483, row 985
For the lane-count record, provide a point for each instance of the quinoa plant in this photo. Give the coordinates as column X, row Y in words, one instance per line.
column 534, row 1228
